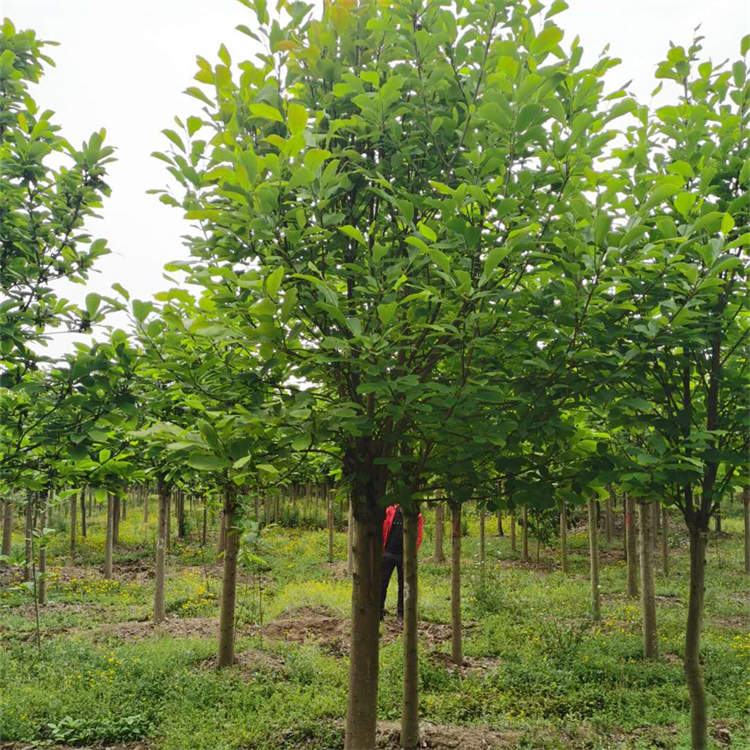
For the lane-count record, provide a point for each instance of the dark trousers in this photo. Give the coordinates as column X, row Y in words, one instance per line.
column 389, row 563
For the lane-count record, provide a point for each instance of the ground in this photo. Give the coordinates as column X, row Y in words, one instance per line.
column 540, row 672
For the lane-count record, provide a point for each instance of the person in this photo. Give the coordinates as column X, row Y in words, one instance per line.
column 393, row 555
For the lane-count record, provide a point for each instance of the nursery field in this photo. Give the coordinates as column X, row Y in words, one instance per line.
column 539, row 671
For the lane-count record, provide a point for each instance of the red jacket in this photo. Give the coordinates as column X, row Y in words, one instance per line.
column 390, row 513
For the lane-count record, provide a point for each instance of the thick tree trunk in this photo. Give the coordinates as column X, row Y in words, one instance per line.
column 525, row 532
column 222, row 540
column 161, row 553
column 693, row 675
column 656, row 528
column 169, row 522
column 7, row 527
column 513, row 532
column 229, row 582
column 594, row 559
column 648, row 600
column 608, row 517
column 482, row 551
column 564, row 537
column 28, row 538
column 632, row 567
column 83, row 514
column 350, row 539
column 43, row 515
column 456, row 642
column 439, row 556
column 73, row 523
column 329, row 500
column 362, row 709
column 746, row 508
column 665, row 539
column 410, row 706
column 109, row 541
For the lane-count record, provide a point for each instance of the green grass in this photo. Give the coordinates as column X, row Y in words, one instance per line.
column 538, row 664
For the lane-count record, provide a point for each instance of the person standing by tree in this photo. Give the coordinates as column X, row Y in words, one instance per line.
column 393, row 555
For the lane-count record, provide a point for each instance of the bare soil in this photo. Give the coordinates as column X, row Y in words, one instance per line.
column 250, row 662
column 317, row 625
column 443, row 737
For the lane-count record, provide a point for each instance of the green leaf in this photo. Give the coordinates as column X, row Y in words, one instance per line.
column 354, row 233
column 440, row 259
column 268, row 468
column 266, row 112
column 494, row 257
column 386, row 312
column 427, row 232
column 315, row 157
column 296, row 118
column 92, row 303
column 602, row 223
column 273, row 282
column 207, row 462
column 301, row 176
column 745, row 44
column 141, row 310
column 684, row 202
column 727, row 224
column 334, row 312
column 548, row 38
column 240, row 462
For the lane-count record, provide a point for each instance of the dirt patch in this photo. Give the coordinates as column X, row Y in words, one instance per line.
column 250, row 662
column 173, row 627
column 732, row 622
column 441, row 737
column 317, row 625
column 432, row 632
column 26, row 746
column 471, row 665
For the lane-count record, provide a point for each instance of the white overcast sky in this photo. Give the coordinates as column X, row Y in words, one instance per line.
column 123, row 65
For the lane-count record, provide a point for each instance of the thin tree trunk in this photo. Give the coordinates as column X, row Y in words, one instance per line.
column 276, row 501
column 73, row 524
column 693, row 675
column 456, row 643
column 632, row 567
column 608, row 517
column 329, row 499
column 564, row 536
column 439, row 556
column 123, row 508
column 181, row 525
column 665, row 539
column 648, row 601
column 746, row 509
column 169, row 522
column 657, row 519
column 7, row 527
column 525, row 532
column 109, row 543
column 161, row 552
column 482, row 554
column 145, row 504
column 594, row 559
column 513, row 532
column 222, row 541
column 43, row 516
column 500, row 531
column 229, row 582
column 361, row 715
column 29, row 538
column 350, row 539
column 83, row 514
column 410, row 706
column 116, row 521
column 204, row 530
column 717, row 519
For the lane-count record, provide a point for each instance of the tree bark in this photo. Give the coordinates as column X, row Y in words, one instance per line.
column 608, row 517
column 276, row 502
column 329, row 500
column 746, row 510
column 169, row 522
column 439, row 556
column 43, row 515
column 632, row 567
column 181, row 521
column 648, row 601
column 456, row 642
column 717, row 519
column 525, row 532
column 513, row 532
column 594, row 559
column 29, row 538
column 350, row 539
column 204, row 529
column 229, row 582
column 362, row 709
column 693, row 675
column 410, row 705
column 145, row 504
column 482, row 551
column 500, row 531
column 83, row 514
column 161, row 552
column 665, row 539
column 73, row 524
column 7, row 527
column 222, row 541
column 564, row 536
column 116, row 521
column 109, row 542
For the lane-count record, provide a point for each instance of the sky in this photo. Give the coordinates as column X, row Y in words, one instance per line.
column 123, row 65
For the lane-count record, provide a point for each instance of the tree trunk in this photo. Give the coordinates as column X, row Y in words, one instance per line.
column 116, row 521
column 608, row 517
column 222, row 541
column 665, row 539
column 350, row 539
column 73, row 524
column 169, row 522
column 7, row 527
column 362, row 709
column 145, row 504
column 329, row 498
column 657, row 520
column 161, row 552
column 43, row 515
column 525, row 532
column 83, row 514
column 276, row 501
column 594, row 559
column 648, row 601
column 123, row 508
column 109, row 543
column 513, row 532
column 410, row 706
column 564, row 536
column 181, row 521
column 439, row 556
column 500, row 531
column 632, row 567
column 456, row 643
column 229, row 582
column 717, row 519
column 746, row 508
column 693, row 675
column 482, row 552
column 29, row 538
column 204, row 530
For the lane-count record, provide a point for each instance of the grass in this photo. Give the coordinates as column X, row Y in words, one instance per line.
column 538, row 664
